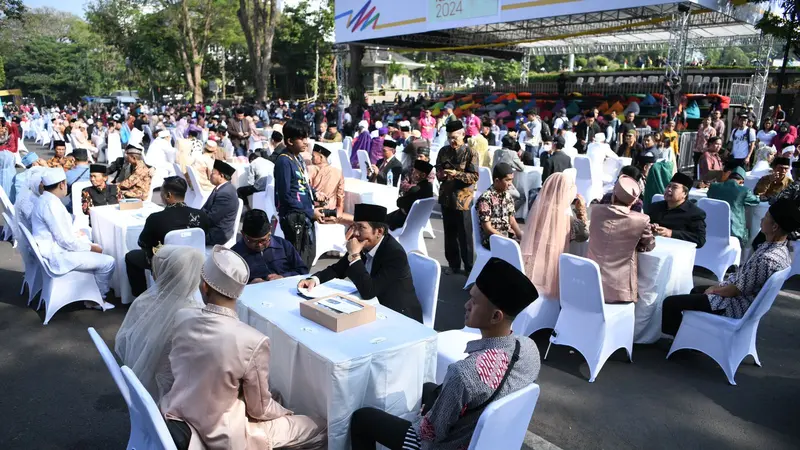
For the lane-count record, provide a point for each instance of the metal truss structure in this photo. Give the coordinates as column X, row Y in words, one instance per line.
column 676, row 58
column 758, row 88
column 695, row 43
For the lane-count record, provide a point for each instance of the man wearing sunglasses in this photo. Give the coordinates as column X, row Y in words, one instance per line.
column 268, row 257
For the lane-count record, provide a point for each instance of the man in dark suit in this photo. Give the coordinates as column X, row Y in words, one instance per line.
column 375, row 262
column 175, row 216
column 379, row 172
column 222, row 205
column 678, row 217
column 421, row 190
column 558, row 161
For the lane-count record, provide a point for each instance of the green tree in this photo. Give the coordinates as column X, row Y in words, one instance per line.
column 429, row 73
column 733, row 56
column 503, row 71
column 394, row 69
column 2, row 72
column 11, row 10
column 784, row 26
column 580, row 61
column 258, row 19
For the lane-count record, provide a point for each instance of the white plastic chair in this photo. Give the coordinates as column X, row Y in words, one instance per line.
column 265, row 201
column 114, row 148
column 148, row 429
column 9, row 207
column 727, row 341
column 190, row 237
column 482, row 254
column 347, row 169
column 81, row 220
column 484, row 181
column 363, row 163
column 410, row 236
column 178, row 171
column 347, row 145
column 61, row 290
column 426, row 274
column 504, row 423
column 588, row 187
column 199, row 196
column 232, row 241
column 508, row 250
column 721, row 250
column 111, row 365
column 586, row 323
column 329, row 237
column 33, row 273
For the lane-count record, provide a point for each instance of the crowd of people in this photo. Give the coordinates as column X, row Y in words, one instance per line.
column 180, row 351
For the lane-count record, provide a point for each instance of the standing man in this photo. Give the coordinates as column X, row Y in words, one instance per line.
column 294, row 196
column 267, row 256
column 457, row 172
column 738, row 196
column 175, row 216
column 137, row 184
column 628, row 125
column 328, row 184
column 558, row 161
column 239, row 131
column 710, row 160
column 222, row 205
column 743, row 139
column 718, row 123
column 586, row 131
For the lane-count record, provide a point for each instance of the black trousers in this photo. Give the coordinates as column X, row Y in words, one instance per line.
column 298, row 229
column 396, row 219
column 675, row 305
column 135, row 265
column 244, row 192
column 370, row 426
column 458, row 244
column 696, row 158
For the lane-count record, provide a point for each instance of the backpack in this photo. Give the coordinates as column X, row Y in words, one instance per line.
column 547, row 135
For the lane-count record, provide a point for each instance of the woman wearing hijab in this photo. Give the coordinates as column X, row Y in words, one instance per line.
column 658, row 178
column 558, row 217
column 143, row 340
column 362, row 142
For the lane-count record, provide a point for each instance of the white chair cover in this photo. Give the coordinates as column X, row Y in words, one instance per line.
column 199, row 196
column 482, row 254
column 586, row 323
column 504, row 423
column 33, row 274
column 148, row 428
column 426, row 273
column 114, row 149
column 81, row 220
column 111, row 365
column 727, row 341
column 508, row 250
column 450, row 348
column 410, row 236
column 189, row 237
column 344, row 162
column 265, row 201
column 721, row 250
column 363, row 163
column 588, row 185
column 330, row 237
column 232, row 241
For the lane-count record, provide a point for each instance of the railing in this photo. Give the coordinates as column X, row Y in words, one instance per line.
column 686, row 147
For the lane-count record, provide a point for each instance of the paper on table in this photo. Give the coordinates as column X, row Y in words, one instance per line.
column 332, row 287
column 341, row 305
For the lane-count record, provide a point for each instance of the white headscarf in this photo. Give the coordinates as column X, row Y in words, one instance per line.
column 143, row 340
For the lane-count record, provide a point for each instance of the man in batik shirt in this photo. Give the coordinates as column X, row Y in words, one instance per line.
column 60, row 159
column 137, row 185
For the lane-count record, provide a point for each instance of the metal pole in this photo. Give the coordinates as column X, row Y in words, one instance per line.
column 758, row 85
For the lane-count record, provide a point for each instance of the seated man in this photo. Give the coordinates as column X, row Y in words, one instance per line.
column 375, row 262
column 222, row 205
column 60, row 159
column 388, row 167
column 733, row 191
column 771, row 185
column 331, row 134
column 220, row 397
column 257, row 177
column 676, row 216
column 277, row 145
column 636, row 174
column 267, row 256
column 175, row 216
column 732, row 297
column 61, row 248
column 495, row 207
column 78, row 172
column 100, row 193
column 421, row 189
column 498, row 364
column 615, row 235
column 137, row 184
column 328, row 184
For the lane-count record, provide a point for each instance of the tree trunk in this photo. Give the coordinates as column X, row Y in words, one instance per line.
column 258, row 19
column 786, row 52
column 356, row 79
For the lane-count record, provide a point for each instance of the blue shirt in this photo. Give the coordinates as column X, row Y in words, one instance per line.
column 124, row 135
column 292, row 190
column 279, row 257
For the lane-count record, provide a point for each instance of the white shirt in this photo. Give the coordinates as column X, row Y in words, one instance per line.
column 259, row 172
column 52, row 231
column 741, row 142
column 156, row 155
column 24, row 207
column 559, row 123
column 766, row 136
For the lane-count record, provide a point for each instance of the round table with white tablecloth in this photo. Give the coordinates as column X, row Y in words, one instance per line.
column 358, row 191
column 321, row 373
column 118, row 233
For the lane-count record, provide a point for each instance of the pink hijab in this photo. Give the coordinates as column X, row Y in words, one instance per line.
column 548, row 232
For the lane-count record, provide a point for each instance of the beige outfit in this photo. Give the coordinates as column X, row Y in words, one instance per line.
column 329, row 181
column 203, row 165
column 220, row 368
column 615, row 235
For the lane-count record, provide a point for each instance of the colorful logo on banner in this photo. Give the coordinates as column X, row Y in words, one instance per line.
column 362, row 19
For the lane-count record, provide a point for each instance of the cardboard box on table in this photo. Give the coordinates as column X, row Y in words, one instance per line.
column 334, row 320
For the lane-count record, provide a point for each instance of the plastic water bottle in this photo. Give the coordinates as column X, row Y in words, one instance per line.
column 389, row 180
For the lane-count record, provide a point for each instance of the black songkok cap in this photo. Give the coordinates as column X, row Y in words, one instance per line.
column 683, row 179
column 97, row 168
column 224, row 168
column 506, row 287
column 322, row 150
column 255, row 223
column 423, row 166
column 365, row 212
column 785, row 213
column 389, row 143
column 453, row 126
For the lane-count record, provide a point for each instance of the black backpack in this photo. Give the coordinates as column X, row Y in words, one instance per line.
column 547, row 135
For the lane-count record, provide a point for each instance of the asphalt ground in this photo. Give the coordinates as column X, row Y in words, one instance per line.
column 55, row 392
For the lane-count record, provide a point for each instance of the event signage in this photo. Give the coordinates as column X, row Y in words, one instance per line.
column 361, row 20
column 447, row 10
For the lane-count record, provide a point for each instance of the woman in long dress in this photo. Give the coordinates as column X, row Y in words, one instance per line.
column 558, row 217
column 143, row 340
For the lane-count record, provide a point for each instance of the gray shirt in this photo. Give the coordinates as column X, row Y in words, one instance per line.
column 469, row 383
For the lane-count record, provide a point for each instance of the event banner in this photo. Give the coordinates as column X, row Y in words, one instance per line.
column 359, row 20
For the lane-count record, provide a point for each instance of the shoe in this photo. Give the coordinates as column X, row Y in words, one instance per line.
column 451, row 271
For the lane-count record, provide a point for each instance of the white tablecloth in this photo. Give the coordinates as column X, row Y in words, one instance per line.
column 665, row 271
column 358, row 191
column 118, row 233
column 321, row 373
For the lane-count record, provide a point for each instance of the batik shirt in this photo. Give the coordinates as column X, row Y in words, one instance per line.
column 496, row 208
column 138, row 184
column 470, row 382
column 66, row 162
column 457, row 192
column 770, row 257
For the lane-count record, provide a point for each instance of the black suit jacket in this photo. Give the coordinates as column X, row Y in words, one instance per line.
column 557, row 162
column 221, row 208
column 395, row 166
column 423, row 190
column 687, row 222
column 390, row 279
column 175, row 217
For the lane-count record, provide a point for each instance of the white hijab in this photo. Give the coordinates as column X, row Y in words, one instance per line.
column 143, row 340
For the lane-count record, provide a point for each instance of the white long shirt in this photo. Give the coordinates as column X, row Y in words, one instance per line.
column 52, row 231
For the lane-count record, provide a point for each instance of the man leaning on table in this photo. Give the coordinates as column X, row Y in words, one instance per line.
column 268, row 257
column 375, row 262
column 497, row 364
column 176, row 215
column 220, row 398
